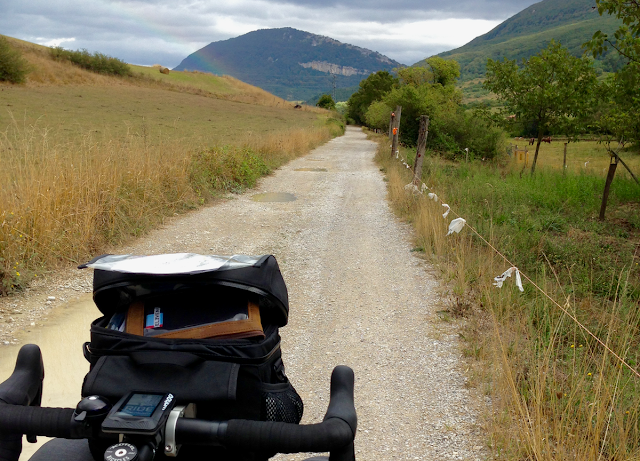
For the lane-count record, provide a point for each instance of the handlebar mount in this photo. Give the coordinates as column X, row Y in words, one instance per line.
column 21, row 395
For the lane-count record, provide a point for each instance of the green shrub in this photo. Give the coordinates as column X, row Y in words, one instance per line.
column 96, row 62
column 458, row 130
column 377, row 116
column 326, row 102
column 13, row 67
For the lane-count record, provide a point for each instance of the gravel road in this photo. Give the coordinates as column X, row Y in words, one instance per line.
column 358, row 297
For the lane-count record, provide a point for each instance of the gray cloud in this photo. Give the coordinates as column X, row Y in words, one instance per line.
column 166, row 31
column 478, row 9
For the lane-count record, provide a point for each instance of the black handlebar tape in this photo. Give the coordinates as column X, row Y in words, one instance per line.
column 338, row 429
column 24, row 386
column 262, row 436
column 49, row 422
column 10, row 446
column 341, row 401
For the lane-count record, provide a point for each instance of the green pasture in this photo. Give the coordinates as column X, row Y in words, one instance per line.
column 200, row 80
column 583, row 157
column 550, row 218
column 112, row 112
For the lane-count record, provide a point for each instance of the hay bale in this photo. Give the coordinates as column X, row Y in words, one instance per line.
column 164, row 70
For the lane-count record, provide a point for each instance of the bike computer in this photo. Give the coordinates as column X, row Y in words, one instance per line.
column 139, row 412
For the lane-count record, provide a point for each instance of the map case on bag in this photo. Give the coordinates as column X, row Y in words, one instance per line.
column 205, row 328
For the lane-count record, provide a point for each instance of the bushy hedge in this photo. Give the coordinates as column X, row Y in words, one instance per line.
column 451, row 128
column 13, row 67
column 96, row 62
column 458, row 130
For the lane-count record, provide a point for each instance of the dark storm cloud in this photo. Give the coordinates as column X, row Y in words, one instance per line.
column 166, row 31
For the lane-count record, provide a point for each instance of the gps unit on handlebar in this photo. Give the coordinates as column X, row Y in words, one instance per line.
column 143, row 423
column 139, row 413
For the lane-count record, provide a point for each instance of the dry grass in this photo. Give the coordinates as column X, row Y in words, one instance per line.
column 557, row 394
column 64, row 202
column 588, row 157
column 48, row 72
column 90, row 160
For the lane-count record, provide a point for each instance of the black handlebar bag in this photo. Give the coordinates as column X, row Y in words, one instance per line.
column 205, row 328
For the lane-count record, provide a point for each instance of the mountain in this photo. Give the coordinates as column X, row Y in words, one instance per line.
column 570, row 22
column 289, row 63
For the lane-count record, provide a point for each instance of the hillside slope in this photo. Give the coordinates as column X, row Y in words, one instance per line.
column 45, row 71
column 571, row 22
column 70, row 103
column 290, row 63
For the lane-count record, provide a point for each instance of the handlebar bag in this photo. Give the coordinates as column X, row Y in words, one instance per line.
column 208, row 336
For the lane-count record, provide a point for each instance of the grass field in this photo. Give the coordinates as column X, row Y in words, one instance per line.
column 588, row 157
column 90, row 160
column 70, row 112
column 556, row 393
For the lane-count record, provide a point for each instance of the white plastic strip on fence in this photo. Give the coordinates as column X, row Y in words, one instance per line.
column 456, row 225
column 446, row 213
column 460, row 222
column 499, row 280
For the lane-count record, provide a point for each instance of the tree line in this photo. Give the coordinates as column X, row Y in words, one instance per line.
column 552, row 92
column 431, row 91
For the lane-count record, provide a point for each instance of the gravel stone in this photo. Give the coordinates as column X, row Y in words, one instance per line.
column 358, row 297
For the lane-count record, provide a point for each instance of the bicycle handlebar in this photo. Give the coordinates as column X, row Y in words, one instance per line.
column 24, row 387
column 335, row 434
column 337, row 430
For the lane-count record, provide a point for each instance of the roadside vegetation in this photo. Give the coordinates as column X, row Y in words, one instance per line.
column 13, row 67
column 425, row 91
column 90, row 160
column 556, row 393
column 559, row 361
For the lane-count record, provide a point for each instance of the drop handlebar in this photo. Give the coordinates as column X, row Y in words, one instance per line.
column 20, row 413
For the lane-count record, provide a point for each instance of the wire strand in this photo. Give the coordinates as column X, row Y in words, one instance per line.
column 571, row 316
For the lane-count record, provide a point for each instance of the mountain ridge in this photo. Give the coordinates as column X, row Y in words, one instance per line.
column 288, row 62
column 570, row 22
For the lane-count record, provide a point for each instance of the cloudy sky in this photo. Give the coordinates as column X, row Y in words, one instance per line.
column 147, row 32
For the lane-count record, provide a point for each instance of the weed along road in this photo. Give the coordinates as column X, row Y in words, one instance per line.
column 358, row 297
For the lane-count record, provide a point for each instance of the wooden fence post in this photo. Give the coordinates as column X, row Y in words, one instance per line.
column 607, row 186
column 422, row 144
column 564, row 162
column 396, row 130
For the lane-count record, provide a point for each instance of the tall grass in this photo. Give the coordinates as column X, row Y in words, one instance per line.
column 557, row 394
column 64, row 202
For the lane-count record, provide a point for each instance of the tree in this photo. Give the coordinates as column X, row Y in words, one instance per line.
column 414, row 76
column 373, row 88
column 13, row 67
column 427, row 99
column 626, row 39
column 445, row 72
column 617, row 118
column 326, row 102
column 551, row 89
column 436, row 71
column 377, row 115
column 619, row 111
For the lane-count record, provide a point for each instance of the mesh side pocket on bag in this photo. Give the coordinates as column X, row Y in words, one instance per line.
column 281, row 403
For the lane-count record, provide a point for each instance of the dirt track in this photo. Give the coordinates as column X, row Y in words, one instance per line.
column 358, row 297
